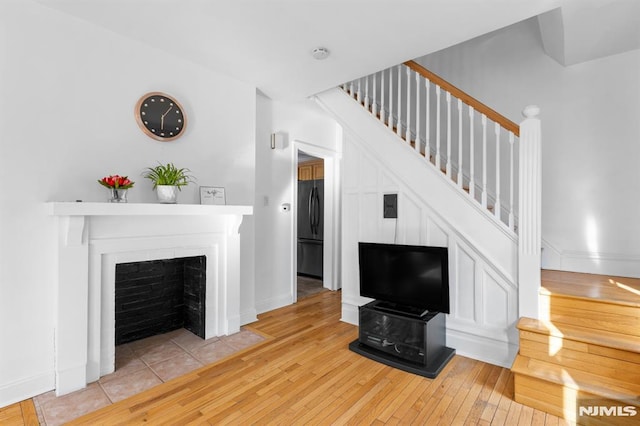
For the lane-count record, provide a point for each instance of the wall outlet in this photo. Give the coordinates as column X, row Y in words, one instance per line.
column 390, row 206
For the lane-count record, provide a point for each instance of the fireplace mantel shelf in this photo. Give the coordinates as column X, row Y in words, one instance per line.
column 58, row 208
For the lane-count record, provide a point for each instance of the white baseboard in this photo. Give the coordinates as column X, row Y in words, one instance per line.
column 273, row 303
column 349, row 314
column 20, row 390
column 482, row 348
column 248, row 317
column 591, row 263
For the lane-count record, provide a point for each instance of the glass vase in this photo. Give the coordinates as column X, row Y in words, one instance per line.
column 117, row 195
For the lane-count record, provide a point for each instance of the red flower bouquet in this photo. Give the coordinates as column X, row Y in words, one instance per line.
column 116, row 182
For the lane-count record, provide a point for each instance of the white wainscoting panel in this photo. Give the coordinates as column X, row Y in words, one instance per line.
column 483, row 292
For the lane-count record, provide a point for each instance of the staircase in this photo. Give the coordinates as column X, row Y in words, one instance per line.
column 465, row 177
column 585, row 352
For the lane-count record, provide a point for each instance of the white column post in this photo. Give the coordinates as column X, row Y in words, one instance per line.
column 529, row 241
column 72, row 311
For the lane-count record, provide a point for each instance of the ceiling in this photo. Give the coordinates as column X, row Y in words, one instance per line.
column 582, row 30
column 268, row 43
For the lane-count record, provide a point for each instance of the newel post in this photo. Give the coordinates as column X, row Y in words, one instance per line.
column 529, row 241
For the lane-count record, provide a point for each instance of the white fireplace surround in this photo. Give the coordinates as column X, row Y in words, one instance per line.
column 94, row 237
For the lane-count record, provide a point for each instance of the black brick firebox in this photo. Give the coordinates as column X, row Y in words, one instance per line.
column 158, row 296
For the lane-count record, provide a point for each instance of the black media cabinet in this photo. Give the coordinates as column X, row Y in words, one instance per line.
column 407, row 342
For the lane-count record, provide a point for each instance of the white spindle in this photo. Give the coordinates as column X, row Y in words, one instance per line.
column 484, row 161
column 496, row 208
column 382, row 104
column 390, row 123
column 359, row 93
column 374, row 103
column 472, row 149
column 417, row 147
column 366, row 93
column 438, row 127
column 408, row 130
column 351, row 89
column 511, row 140
column 399, row 114
column 427, row 120
column 448, row 134
column 460, row 143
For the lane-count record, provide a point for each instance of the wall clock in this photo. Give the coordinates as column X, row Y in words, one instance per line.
column 160, row 116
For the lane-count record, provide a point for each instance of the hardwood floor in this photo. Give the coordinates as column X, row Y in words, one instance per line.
column 305, row 374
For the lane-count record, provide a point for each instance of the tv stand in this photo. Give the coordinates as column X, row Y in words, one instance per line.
column 402, row 340
column 401, row 309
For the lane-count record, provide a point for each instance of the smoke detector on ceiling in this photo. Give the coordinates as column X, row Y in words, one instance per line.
column 320, row 53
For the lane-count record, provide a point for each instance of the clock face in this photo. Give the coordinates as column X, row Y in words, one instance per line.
column 160, row 116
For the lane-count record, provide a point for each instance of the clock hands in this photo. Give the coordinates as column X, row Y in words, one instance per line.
column 162, row 117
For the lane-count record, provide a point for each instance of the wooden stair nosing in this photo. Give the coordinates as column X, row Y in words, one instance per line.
column 610, row 339
column 581, row 381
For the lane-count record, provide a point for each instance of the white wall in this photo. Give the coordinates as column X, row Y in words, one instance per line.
column 67, row 92
column 591, row 130
column 298, row 121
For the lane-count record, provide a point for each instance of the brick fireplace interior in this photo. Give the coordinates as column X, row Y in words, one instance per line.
column 158, row 296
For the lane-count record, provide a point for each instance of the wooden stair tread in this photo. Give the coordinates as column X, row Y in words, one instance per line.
column 609, row 339
column 575, row 379
column 598, row 288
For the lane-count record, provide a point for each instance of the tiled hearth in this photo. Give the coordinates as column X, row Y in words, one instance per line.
column 141, row 365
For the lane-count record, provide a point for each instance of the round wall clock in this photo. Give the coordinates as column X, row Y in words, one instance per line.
column 160, row 116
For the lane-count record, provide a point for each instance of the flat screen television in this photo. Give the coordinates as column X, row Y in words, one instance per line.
column 406, row 276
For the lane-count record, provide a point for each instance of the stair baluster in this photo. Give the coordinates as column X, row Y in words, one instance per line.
column 390, row 122
column 511, row 182
column 483, row 199
column 408, row 130
column 438, row 127
column 460, row 178
column 374, row 103
column 417, row 145
column 399, row 114
column 448, row 166
column 427, row 138
column 366, row 93
column 496, row 208
column 472, row 150
column 382, row 103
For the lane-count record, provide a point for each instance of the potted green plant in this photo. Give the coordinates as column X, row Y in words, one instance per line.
column 168, row 180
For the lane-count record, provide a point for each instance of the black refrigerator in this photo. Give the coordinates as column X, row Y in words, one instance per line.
column 310, row 227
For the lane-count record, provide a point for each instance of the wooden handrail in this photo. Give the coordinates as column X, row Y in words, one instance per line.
column 467, row 99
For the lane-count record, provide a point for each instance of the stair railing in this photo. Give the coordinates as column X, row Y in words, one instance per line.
column 493, row 160
column 451, row 129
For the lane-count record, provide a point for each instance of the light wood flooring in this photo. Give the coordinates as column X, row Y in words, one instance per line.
column 304, row 374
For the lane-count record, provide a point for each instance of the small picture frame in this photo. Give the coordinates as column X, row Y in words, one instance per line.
column 212, row 195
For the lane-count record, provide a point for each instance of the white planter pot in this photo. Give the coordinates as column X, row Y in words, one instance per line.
column 167, row 194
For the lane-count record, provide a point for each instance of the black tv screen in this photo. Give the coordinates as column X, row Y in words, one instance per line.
column 413, row 276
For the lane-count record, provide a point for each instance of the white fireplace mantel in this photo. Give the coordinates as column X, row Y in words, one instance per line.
column 142, row 209
column 93, row 237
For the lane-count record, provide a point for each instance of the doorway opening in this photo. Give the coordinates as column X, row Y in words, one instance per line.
column 310, row 225
column 316, row 219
